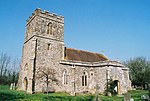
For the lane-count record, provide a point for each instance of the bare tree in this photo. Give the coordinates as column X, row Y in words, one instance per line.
column 8, row 69
column 48, row 75
column 15, row 64
column 15, row 70
column 4, row 62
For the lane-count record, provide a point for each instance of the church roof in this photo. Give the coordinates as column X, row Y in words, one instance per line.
column 80, row 55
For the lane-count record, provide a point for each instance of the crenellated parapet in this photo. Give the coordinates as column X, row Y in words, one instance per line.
column 45, row 14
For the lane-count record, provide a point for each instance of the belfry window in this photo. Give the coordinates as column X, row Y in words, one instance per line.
column 84, row 79
column 65, row 77
column 49, row 29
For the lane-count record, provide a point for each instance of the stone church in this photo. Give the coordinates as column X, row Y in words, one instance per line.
column 76, row 71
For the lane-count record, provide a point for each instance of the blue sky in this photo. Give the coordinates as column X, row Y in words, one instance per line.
column 119, row 29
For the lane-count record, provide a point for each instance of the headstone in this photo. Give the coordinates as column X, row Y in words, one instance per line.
column 131, row 99
column 11, row 86
column 145, row 97
column 127, row 97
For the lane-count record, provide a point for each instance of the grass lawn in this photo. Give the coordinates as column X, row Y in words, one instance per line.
column 12, row 95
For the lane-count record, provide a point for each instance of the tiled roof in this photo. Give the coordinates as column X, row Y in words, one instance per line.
column 80, row 55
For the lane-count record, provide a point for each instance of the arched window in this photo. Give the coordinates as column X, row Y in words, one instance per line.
column 65, row 77
column 84, row 79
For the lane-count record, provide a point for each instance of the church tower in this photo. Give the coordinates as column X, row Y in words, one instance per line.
column 43, row 47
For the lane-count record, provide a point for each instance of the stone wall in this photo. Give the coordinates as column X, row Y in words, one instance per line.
column 27, row 63
column 97, row 76
column 48, row 58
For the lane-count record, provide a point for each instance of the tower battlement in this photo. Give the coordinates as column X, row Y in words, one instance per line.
column 45, row 14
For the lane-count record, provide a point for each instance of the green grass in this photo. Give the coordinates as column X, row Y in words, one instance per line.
column 112, row 98
column 136, row 94
column 12, row 95
column 4, row 87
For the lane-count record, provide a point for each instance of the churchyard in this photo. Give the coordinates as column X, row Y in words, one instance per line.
column 12, row 95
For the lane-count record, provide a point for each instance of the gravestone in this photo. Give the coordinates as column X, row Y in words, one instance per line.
column 145, row 97
column 11, row 86
column 14, row 86
column 131, row 99
column 127, row 97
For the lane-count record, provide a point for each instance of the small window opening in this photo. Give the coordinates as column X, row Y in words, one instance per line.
column 48, row 46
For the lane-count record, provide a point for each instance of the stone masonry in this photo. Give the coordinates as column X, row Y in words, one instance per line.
column 77, row 71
